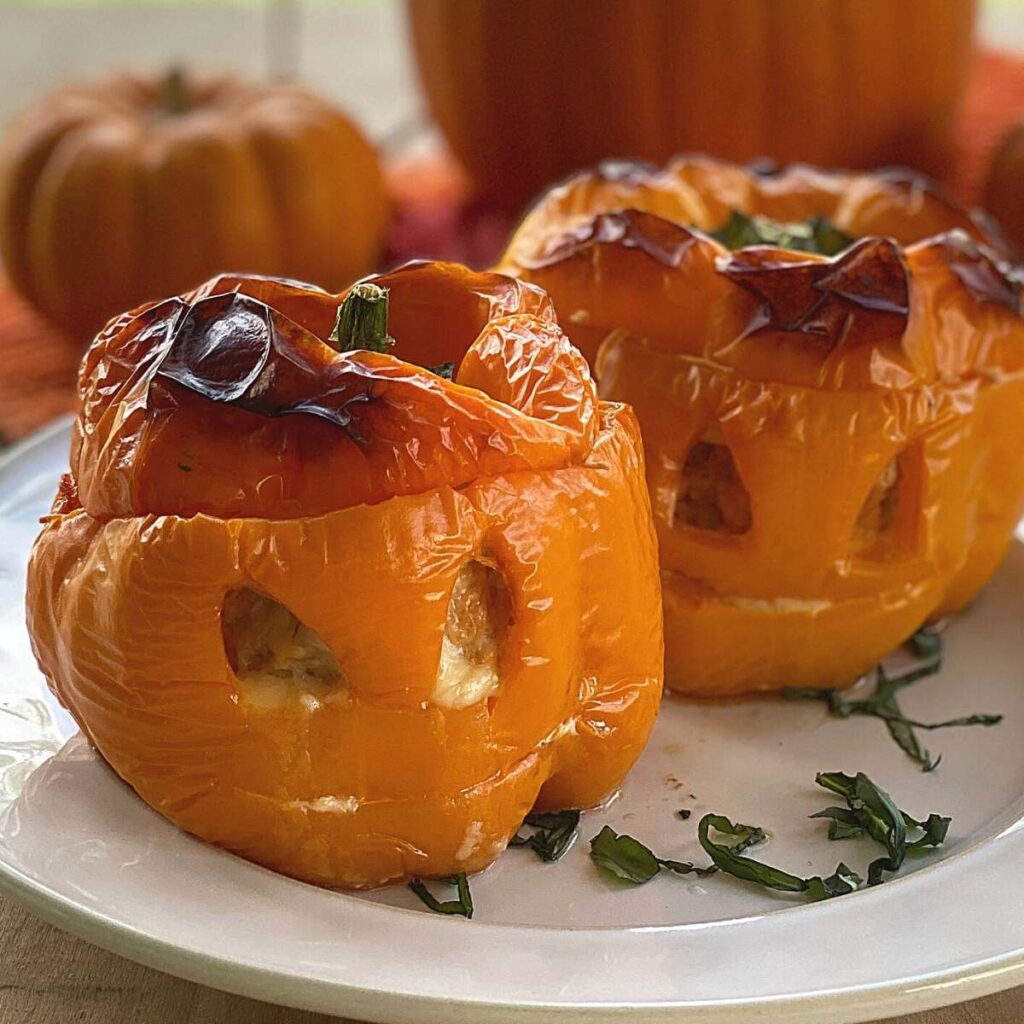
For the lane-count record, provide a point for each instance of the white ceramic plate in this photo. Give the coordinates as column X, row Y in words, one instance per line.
column 551, row 940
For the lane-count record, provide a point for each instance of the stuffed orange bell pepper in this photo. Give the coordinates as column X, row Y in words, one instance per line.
column 828, row 370
column 325, row 606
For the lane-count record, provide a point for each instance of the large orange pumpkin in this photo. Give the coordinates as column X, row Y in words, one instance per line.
column 526, row 92
column 835, row 445
column 134, row 188
column 337, row 613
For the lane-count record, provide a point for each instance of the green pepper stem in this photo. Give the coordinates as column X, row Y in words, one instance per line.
column 174, row 96
column 363, row 320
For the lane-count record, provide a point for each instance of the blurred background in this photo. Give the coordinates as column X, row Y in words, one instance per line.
column 425, row 127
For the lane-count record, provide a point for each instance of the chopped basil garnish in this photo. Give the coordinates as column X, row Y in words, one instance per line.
column 628, row 859
column 870, row 810
column 926, row 643
column 362, row 321
column 883, row 704
column 728, row 857
column 554, row 833
column 462, row 905
column 623, row 856
column 818, row 234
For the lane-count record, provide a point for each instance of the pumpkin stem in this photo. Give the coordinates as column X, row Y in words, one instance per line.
column 363, row 320
column 174, row 98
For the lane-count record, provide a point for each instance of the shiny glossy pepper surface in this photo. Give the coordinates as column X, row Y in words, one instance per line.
column 835, row 445
column 333, row 611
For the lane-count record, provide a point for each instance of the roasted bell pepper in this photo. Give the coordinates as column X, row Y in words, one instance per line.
column 333, row 611
column 835, row 444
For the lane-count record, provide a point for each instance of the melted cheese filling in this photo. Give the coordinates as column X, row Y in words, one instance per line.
column 878, row 513
column 711, row 493
column 275, row 657
column 479, row 613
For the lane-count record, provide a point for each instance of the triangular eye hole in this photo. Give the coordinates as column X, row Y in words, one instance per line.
column 878, row 512
column 711, row 494
column 886, row 523
column 479, row 616
column 270, row 651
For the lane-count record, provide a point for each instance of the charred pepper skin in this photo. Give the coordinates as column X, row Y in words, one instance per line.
column 834, row 447
column 333, row 612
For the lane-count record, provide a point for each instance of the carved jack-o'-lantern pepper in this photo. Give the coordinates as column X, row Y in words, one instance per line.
column 333, row 611
column 835, row 449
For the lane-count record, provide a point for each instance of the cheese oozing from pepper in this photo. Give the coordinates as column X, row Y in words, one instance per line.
column 275, row 657
column 479, row 612
column 711, row 493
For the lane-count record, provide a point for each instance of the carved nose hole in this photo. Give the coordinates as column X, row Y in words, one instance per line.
column 274, row 655
column 886, row 524
column 711, row 494
column 478, row 618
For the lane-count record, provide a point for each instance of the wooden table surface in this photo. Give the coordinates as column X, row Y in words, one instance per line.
column 48, row 977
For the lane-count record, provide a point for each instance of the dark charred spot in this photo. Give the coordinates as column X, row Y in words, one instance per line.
column 235, row 350
column 221, row 348
column 981, row 272
column 963, row 219
column 656, row 237
column 867, row 286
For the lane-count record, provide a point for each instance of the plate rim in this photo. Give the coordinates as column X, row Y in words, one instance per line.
column 322, row 995
column 847, row 1004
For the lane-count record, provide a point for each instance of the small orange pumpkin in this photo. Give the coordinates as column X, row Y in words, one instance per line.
column 526, row 92
column 133, row 188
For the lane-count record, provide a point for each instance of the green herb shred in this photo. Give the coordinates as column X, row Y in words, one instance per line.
column 629, row 860
column 883, row 704
column 728, row 857
column 554, row 832
column 462, row 905
column 818, row 234
column 871, row 811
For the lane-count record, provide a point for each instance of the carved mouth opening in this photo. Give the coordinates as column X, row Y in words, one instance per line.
column 886, row 525
column 478, row 619
column 272, row 653
column 711, row 494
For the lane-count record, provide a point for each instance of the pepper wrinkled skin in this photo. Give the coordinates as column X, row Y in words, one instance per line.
column 333, row 612
column 835, row 450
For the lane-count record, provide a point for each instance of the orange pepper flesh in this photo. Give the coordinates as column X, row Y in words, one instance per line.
column 834, row 446
column 343, row 497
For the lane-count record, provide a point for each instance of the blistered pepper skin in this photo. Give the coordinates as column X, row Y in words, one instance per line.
column 865, row 407
column 353, row 501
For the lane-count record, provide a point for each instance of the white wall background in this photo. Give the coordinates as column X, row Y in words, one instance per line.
column 354, row 51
